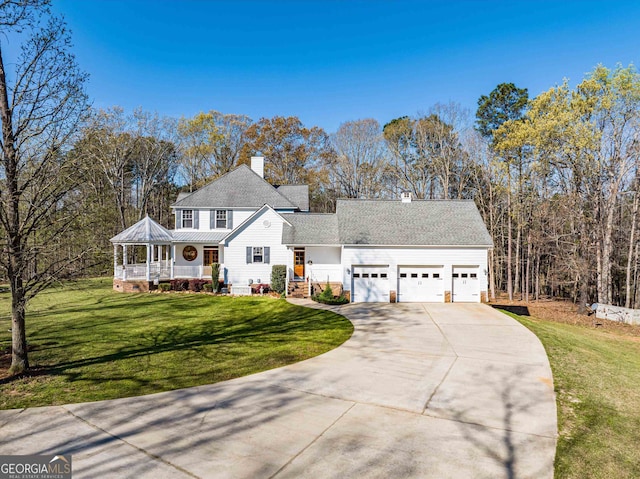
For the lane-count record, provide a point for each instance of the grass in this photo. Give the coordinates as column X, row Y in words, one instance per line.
column 597, row 381
column 90, row 343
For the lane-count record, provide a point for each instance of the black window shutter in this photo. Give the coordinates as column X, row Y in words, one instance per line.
column 267, row 254
column 178, row 219
column 249, row 254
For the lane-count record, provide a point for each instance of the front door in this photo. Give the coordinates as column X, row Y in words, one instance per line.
column 298, row 263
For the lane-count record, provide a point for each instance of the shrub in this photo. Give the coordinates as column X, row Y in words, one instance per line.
column 327, row 293
column 164, row 286
column 208, row 288
column 327, row 297
column 215, row 276
column 278, row 278
column 196, row 284
column 179, row 284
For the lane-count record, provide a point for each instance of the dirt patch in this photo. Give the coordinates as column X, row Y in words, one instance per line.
column 561, row 311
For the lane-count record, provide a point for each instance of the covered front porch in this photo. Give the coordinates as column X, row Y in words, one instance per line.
column 146, row 252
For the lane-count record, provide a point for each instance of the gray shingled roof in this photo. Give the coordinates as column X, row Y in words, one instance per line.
column 144, row 231
column 418, row 223
column 310, row 228
column 240, row 188
column 391, row 222
column 297, row 194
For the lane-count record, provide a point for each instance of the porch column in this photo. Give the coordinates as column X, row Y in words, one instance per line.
column 173, row 258
column 286, row 283
column 115, row 260
column 149, row 261
column 124, row 262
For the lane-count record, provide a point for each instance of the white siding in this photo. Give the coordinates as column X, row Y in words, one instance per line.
column 180, row 261
column 326, row 263
column 256, row 233
column 408, row 256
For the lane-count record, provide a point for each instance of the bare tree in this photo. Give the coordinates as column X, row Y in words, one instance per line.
column 154, row 159
column 360, row 159
column 41, row 102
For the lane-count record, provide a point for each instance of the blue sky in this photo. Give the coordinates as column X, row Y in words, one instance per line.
column 333, row 61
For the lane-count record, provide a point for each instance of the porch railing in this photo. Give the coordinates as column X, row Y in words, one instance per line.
column 162, row 271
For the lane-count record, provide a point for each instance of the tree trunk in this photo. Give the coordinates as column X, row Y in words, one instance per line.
column 516, row 280
column 627, row 300
column 605, row 268
column 16, row 264
column 527, row 268
column 509, row 236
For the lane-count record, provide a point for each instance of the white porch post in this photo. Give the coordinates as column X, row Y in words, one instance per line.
column 200, row 271
column 115, row 260
column 173, row 258
column 124, row 262
column 149, row 261
column 286, row 283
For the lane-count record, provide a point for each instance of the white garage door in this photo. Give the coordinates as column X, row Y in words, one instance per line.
column 370, row 284
column 466, row 284
column 420, row 284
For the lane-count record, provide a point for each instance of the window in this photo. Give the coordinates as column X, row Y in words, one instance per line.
column 403, row 275
column 221, row 219
column 258, row 254
column 187, row 218
column 383, row 275
column 436, row 275
column 356, row 275
column 465, row 275
column 425, row 275
column 455, row 275
column 365, row 275
column 210, row 255
column 414, row 275
column 473, row 276
column 374, row 275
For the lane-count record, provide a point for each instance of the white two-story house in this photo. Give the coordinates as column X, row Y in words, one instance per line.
column 374, row 250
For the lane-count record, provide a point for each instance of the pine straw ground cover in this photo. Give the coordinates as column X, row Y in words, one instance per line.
column 88, row 342
column 596, row 369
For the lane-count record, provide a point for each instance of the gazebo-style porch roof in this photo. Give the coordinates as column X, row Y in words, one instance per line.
column 155, row 238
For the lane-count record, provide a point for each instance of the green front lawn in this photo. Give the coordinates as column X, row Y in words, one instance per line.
column 90, row 343
column 597, row 381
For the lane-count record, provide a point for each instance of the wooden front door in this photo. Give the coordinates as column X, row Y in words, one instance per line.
column 298, row 263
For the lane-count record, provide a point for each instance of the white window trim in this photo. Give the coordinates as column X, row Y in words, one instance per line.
column 226, row 219
column 185, row 218
column 257, row 251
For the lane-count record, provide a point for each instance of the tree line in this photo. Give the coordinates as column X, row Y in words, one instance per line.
column 555, row 177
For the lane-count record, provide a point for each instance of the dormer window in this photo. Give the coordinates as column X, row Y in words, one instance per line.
column 187, row 218
column 221, row 219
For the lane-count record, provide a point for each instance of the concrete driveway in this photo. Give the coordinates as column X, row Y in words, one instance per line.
column 419, row 391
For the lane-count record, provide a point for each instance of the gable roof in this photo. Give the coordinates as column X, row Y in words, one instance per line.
column 310, row 229
column 144, row 231
column 417, row 223
column 240, row 188
column 391, row 223
column 296, row 194
column 250, row 220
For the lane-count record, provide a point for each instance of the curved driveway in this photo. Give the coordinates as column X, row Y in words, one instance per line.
column 420, row 391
